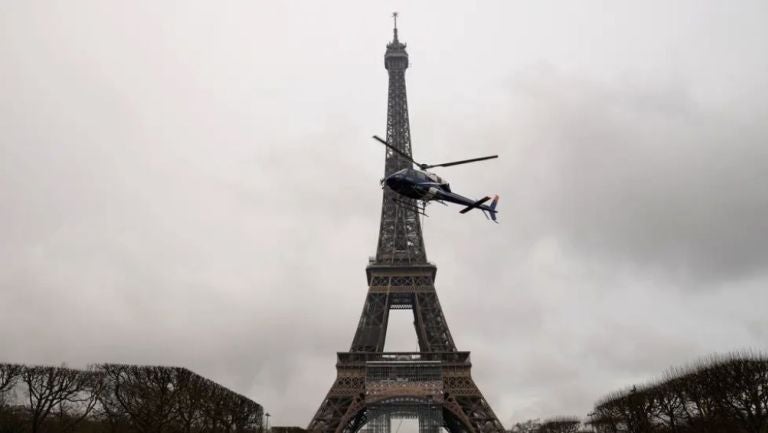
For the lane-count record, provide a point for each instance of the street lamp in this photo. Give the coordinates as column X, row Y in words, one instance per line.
column 267, row 415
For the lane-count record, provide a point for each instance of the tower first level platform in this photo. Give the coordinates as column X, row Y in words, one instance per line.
column 409, row 382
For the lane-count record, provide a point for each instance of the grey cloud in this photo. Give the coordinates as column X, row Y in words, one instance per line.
column 645, row 176
column 196, row 186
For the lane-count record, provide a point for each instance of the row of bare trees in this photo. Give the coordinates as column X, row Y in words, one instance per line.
column 721, row 395
column 120, row 399
column 552, row 425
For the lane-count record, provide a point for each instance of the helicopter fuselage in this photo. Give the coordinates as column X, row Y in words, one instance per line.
column 426, row 186
column 416, row 184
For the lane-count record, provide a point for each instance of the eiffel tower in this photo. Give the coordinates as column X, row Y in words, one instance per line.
column 433, row 385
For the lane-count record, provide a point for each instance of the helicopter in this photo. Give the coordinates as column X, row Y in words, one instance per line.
column 425, row 186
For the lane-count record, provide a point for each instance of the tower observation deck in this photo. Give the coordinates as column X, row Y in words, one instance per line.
column 435, row 384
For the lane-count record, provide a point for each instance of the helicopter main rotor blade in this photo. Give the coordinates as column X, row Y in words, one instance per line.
column 396, row 150
column 428, row 166
column 464, row 161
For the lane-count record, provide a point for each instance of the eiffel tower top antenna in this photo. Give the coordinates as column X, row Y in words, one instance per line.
column 394, row 16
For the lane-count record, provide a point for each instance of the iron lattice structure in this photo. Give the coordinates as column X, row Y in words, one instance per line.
column 434, row 384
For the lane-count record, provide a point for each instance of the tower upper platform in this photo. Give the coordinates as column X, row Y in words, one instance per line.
column 396, row 57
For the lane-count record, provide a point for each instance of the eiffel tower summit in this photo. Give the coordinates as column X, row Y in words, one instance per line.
column 433, row 385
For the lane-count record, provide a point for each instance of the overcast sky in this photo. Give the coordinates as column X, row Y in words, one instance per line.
column 193, row 183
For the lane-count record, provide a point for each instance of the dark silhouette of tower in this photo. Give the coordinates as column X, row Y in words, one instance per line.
column 434, row 384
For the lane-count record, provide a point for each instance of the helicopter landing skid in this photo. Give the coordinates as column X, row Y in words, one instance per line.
column 418, row 209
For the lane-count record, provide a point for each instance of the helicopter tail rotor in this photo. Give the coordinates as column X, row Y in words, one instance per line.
column 490, row 209
column 493, row 208
column 475, row 205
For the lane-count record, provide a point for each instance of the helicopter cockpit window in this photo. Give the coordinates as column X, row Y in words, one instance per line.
column 435, row 178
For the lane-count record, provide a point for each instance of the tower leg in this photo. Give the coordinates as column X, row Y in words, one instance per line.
column 342, row 409
column 372, row 329
column 465, row 400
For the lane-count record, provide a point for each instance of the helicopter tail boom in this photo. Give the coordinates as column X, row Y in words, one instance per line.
column 475, row 205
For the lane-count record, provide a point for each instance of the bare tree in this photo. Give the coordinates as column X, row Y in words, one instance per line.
column 72, row 411
column 50, row 388
column 678, row 401
column 9, row 376
column 146, row 395
column 194, row 391
column 736, row 385
column 529, row 426
column 560, row 425
column 11, row 420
